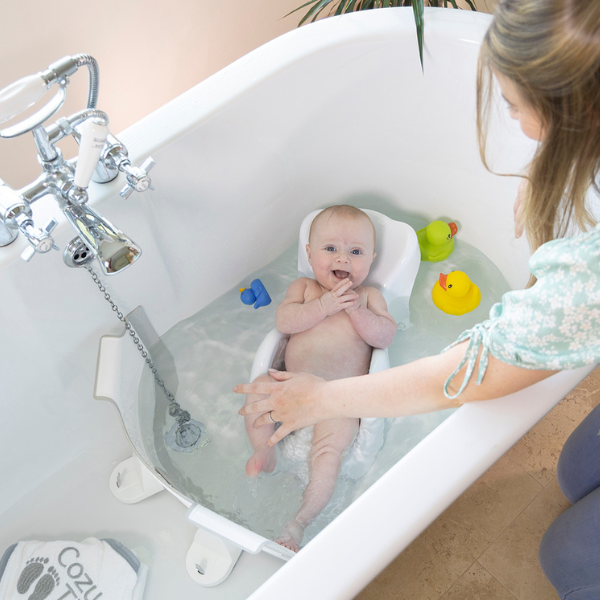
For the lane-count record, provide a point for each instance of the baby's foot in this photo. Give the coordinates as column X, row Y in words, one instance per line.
column 263, row 459
column 291, row 536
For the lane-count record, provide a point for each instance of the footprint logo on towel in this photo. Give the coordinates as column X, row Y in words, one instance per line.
column 32, row 571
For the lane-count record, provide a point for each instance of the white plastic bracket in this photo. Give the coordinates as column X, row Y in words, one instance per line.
column 223, row 528
column 211, row 558
column 131, row 481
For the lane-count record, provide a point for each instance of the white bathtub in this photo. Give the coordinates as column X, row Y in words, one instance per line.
column 336, row 111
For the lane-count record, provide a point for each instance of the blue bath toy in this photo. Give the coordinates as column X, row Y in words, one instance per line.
column 257, row 294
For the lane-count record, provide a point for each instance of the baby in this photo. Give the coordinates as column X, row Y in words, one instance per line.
column 334, row 323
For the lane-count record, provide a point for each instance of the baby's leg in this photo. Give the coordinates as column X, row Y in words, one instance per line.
column 264, row 458
column 331, row 439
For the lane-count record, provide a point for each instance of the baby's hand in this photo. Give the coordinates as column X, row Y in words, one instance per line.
column 341, row 297
column 357, row 304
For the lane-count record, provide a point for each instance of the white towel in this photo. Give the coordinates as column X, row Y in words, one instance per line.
column 89, row 570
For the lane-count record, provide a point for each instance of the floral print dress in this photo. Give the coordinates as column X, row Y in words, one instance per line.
column 553, row 325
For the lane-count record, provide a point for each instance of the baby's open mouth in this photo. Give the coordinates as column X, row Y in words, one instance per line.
column 341, row 274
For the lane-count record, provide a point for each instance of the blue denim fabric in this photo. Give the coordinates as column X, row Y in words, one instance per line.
column 570, row 549
column 578, row 468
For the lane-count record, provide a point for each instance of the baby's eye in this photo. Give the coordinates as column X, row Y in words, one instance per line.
column 330, row 249
column 356, row 251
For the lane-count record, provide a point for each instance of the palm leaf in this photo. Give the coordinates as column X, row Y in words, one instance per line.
column 319, row 5
column 342, row 7
column 300, row 8
column 418, row 11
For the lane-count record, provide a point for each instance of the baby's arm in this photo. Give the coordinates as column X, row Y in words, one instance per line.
column 294, row 314
column 373, row 322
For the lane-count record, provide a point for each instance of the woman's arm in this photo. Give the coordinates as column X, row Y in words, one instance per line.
column 300, row 400
column 373, row 322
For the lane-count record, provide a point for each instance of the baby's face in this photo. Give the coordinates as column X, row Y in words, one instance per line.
column 340, row 248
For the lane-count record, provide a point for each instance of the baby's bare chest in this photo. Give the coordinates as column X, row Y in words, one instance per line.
column 332, row 349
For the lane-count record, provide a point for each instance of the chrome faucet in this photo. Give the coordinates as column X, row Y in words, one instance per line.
column 101, row 157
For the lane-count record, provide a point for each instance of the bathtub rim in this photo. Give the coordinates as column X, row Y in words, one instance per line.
column 236, row 79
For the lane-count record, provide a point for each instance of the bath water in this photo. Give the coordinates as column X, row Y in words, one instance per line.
column 213, row 350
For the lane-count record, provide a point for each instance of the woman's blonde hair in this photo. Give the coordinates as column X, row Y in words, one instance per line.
column 551, row 50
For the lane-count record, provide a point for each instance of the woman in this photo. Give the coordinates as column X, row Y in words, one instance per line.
column 545, row 57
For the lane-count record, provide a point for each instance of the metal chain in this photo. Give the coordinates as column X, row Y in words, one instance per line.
column 182, row 416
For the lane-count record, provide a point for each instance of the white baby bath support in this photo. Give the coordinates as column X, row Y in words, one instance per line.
column 393, row 273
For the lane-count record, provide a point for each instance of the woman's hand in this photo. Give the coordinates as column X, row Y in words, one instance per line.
column 296, row 400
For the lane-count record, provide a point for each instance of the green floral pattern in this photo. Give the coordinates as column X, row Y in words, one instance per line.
column 553, row 325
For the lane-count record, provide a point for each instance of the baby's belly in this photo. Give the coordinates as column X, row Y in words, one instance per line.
column 330, row 357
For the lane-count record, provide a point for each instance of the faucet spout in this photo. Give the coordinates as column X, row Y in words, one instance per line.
column 114, row 250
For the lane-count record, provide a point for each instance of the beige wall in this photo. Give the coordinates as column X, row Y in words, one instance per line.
column 149, row 52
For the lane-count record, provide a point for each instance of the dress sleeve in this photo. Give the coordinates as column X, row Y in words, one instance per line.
column 553, row 325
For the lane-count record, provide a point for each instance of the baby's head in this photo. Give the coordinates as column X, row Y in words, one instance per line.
column 341, row 244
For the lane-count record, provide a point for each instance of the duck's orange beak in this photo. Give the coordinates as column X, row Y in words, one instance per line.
column 443, row 281
column 453, row 229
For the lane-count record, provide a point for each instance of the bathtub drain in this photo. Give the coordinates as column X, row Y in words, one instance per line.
column 186, row 434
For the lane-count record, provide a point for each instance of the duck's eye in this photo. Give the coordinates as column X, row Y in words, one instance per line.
column 449, row 286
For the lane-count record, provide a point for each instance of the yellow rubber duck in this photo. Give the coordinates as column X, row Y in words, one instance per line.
column 455, row 293
column 436, row 241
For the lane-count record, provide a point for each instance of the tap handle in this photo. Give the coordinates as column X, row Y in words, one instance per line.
column 138, row 179
column 39, row 240
column 93, row 137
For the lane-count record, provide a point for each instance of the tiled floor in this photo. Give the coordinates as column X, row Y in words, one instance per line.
column 485, row 545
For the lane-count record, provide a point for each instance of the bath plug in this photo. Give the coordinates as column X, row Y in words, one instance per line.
column 186, row 437
column 455, row 293
column 257, row 294
column 436, row 240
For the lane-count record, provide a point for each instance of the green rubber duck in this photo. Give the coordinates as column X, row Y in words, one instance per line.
column 436, row 240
